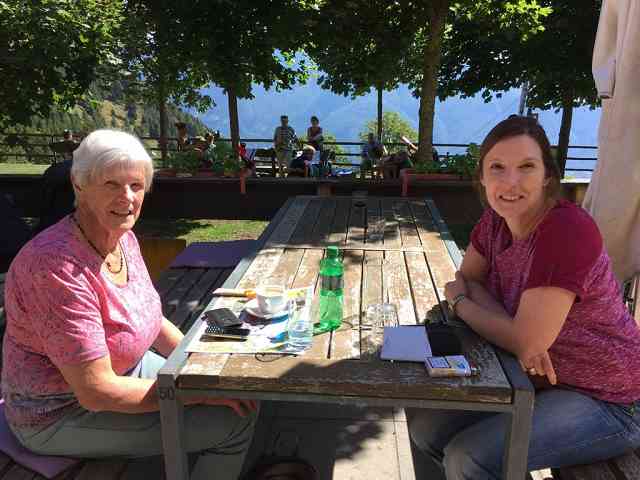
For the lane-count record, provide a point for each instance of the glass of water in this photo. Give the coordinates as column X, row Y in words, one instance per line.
column 380, row 315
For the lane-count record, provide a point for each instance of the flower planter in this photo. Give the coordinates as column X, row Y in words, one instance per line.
column 205, row 173
column 166, row 172
column 409, row 175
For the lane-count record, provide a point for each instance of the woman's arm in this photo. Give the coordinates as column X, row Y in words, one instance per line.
column 536, row 325
column 480, row 295
column 98, row 388
column 168, row 338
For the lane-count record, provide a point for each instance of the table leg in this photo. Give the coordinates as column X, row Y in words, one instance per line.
column 517, row 436
column 173, row 438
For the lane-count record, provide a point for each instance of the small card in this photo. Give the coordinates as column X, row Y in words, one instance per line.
column 405, row 344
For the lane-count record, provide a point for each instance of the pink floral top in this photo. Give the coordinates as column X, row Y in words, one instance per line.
column 598, row 348
column 62, row 310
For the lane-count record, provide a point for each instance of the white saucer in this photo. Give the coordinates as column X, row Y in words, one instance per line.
column 252, row 308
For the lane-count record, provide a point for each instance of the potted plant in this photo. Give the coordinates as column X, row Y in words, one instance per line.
column 185, row 162
column 451, row 167
column 231, row 166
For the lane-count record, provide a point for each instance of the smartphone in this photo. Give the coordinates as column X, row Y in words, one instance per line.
column 222, row 317
column 231, row 333
column 450, row 366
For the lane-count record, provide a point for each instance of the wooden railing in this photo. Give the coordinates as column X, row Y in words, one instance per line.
column 34, row 148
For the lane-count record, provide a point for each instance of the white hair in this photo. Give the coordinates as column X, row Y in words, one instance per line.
column 102, row 149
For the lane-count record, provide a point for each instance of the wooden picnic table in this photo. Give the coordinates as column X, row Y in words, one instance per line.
column 395, row 250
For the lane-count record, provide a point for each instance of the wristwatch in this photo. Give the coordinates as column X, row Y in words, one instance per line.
column 456, row 300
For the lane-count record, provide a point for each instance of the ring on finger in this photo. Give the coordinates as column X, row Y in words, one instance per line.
column 532, row 371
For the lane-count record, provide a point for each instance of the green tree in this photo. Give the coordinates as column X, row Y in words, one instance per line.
column 361, row 45
column 394, row 127
column 554, row 57
column 243, row 43
column 50, row 53
column 441, row 23
column 158, row 56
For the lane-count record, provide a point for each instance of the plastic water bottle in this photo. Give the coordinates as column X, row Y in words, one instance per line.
column 299, row 327
column 331, row 290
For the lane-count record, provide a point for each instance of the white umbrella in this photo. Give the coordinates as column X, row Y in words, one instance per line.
column 613, row 197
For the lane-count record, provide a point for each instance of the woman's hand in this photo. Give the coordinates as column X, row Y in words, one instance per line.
column 540, row 365
column 455, row 288
column 241, row 407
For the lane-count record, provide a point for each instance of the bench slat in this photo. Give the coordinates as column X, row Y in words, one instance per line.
column 17, row 472
column 628, row 465
column 596, row 471
column 101, row 470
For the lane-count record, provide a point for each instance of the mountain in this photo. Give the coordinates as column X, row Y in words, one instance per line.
column 109, row 108
column 457, row 120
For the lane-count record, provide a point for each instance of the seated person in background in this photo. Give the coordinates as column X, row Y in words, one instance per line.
column 67, row 138
column 15, row 230
column 536, row 281
column 412, row 149
column 205, row 148
column 78, row 376
column 57, row 200
column 393, row 164
column 371, row 153
column 314, row 134
column 183, row 142
column 300, row 165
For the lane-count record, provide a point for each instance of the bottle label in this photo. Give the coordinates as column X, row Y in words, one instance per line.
column 329, row 282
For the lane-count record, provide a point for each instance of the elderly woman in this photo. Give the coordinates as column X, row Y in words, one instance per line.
column 78, row 377
column 537, row 281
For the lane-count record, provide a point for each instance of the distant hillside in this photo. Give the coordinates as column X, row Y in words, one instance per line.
column 456, row 121
column 110, row 109
column 107, row 109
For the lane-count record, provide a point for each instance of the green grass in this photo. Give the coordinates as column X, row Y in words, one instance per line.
column 201, row 230
column 22, row 168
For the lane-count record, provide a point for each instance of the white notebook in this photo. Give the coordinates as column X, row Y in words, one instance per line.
column 405, row 343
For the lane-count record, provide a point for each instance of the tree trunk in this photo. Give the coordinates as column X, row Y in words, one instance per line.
column 234, row 125
column 438, row 10
column 565, row 130
column 379, row 88
column 162, row 109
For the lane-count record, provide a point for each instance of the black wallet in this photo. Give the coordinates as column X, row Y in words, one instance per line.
column 443, row 340
column 222, row 317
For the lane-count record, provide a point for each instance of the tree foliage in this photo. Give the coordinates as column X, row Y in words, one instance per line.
column 361, row 44
column 51, row 51
column 394, row 127
column 551, row 50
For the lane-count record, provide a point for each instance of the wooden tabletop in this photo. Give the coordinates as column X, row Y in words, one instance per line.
column 393, row 252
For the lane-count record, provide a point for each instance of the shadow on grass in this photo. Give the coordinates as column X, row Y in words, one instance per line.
column 173, row 228
column 200, row 230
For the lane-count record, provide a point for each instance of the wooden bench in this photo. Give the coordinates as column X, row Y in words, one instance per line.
column 185, row 292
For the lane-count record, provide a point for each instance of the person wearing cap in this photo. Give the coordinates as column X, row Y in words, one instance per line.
column 284, row 139
column 301, row 163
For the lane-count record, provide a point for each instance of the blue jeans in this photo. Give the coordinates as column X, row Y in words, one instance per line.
column 214, row 430
column 569, row 428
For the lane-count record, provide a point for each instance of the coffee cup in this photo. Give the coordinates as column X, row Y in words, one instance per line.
column 271, row 298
